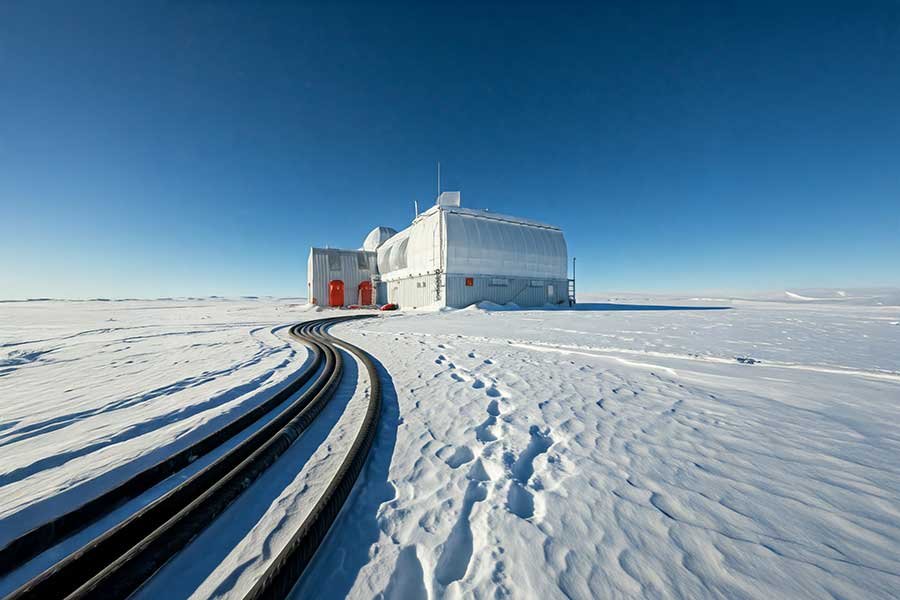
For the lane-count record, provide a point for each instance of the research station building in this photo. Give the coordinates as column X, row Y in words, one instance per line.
column 449, row 256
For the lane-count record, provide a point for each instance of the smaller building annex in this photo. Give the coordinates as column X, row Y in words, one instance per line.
column 448, row 256
column 340, row 277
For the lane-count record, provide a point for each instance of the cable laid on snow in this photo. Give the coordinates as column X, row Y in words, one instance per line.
column 41, row 538
column 284, row 571
column 119, row 561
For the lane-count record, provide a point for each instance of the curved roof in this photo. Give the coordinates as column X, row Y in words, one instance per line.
column 377, row 237
column 393, row 255
column 475, row 242
column 483, row 243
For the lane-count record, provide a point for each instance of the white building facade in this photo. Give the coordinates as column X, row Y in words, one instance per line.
column 454, row 256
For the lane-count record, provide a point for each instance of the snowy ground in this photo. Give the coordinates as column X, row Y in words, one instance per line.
column 605, row 452
column 96, row 391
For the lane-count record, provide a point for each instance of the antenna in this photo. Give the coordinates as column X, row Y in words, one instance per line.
column 439, row 178
column 416, row 205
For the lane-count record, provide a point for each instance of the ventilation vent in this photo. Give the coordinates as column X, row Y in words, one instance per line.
column 448, row 199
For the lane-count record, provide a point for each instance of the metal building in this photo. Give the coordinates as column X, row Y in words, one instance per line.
column 340, row 277
column 453, row 256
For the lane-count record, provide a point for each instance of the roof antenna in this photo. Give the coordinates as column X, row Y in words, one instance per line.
column 439, row 178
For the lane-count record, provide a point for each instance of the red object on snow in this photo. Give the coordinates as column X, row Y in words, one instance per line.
column 354, row 306
column 389, row 306
column 365, row 293
column 335, row 293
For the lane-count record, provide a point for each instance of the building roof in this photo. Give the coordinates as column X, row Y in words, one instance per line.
column 377, row 237
column 487, row 214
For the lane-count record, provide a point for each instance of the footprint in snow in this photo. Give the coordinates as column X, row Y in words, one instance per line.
column 477, row 472
column 408, row 579
column 484, row 432
column 520, row 500
column 457, row 550
column 493, row 409
column 460, row 456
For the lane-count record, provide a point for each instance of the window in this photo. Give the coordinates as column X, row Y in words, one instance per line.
column 334, row 261
column 497, row 281
column 362, row 261
column 470, row 281
column 536, row 283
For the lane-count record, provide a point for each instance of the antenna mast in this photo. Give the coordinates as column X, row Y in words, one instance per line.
column 439, row 178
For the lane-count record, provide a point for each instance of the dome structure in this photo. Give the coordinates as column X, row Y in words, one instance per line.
column 377, row 237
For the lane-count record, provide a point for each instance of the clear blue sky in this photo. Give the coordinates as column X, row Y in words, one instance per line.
column 193, row 148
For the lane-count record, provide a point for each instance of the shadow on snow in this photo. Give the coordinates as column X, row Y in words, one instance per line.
column 346, row 548
column 596, row 307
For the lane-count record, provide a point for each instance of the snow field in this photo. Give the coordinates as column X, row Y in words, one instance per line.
column 112, row 388
column 527, row 463
column 227, row 558
column 612, row 451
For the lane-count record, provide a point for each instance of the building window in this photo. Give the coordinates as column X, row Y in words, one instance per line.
column 499, row 282
column 362, row 261
column 334, row 261
column 470, row 281
column 536, row 283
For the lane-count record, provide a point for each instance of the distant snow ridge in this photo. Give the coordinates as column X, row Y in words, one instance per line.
column 794, row 296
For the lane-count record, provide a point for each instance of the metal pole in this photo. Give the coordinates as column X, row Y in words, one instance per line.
column 572, row 297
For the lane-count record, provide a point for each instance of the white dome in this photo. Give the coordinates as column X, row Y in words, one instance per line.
column 377, row 237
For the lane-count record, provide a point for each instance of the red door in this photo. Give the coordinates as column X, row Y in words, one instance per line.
column 365, row 293
column 335, row 292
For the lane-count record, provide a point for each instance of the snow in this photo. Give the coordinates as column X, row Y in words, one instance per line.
column 616, row 452
column 96, row 391
column 229, row 556
column 636, row 447
column 793, row 296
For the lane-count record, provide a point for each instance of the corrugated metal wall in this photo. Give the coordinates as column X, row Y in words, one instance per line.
column 412, row 292
column 483, row 244
column 416, row 292
column 381, row 295
column 350, row 266
column 521, row 291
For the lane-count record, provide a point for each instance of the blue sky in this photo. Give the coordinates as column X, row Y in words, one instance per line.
column 192, row 148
